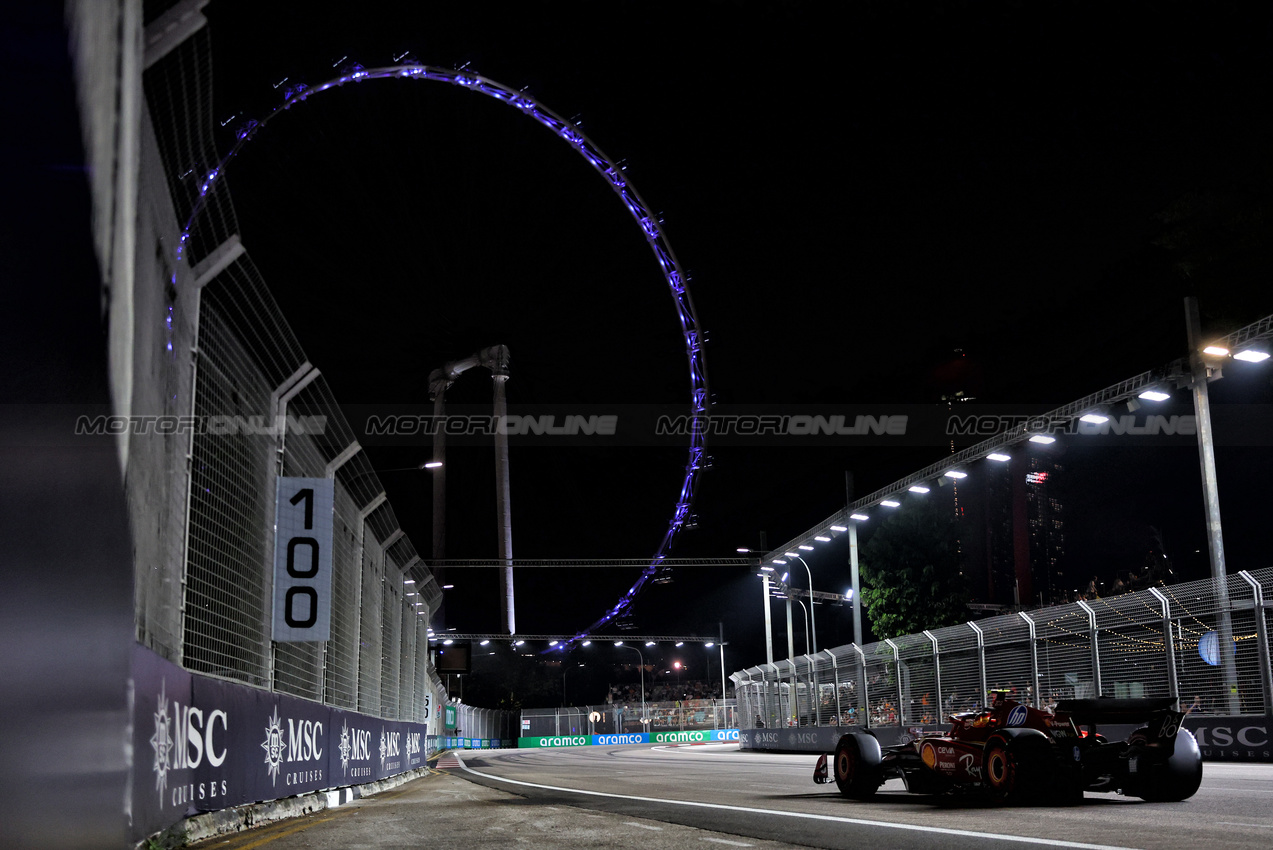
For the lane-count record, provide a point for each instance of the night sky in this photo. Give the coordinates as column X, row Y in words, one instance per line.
column 858, row 191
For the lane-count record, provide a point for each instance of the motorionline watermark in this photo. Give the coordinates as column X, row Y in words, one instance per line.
column 217, row 425
column 781, row 425
column 485, row 425
column 988, row 425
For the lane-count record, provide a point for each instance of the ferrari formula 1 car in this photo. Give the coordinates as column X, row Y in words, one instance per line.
column 1020, row 754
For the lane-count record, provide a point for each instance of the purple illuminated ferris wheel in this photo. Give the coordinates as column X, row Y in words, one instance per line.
column 618, row 182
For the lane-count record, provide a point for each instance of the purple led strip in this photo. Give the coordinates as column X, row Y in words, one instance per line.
column 676, row 279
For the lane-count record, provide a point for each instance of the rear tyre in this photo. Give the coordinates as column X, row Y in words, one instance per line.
column 1179, row 777
column 1018, row 772
column 856, row 779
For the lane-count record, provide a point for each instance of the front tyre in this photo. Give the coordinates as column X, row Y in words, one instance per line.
column 855, row 778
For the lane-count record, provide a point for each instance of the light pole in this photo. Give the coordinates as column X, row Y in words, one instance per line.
column 812, row 620
column 642, row 657
column 806, row 626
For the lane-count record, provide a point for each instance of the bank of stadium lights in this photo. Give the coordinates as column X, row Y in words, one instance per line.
column 1250, row 355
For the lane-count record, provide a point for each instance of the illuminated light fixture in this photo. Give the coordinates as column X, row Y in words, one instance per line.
column 618, row 643
column 447, row 642
column 889, row 503
column 848, row 594
column 858, row 517
column 518, row 642
column 805, row 548
column 1153, row 394
column 1043, row 439
column 767, row 568
column 918, row 488
column 552, row 643
column 1252, row 356
column 998, row 456
column 780, row 596
column 709, row 644
column 742, row 550
column 956, row 474
column 680, row 643
column 838, row 528
column 780, row 561
column 420, row 613
column 586, row 643
column 412, row 593
column 484, row 643
column 792, row 554
column 1094, row 418
column 784, row 576
column 408, row 581
column 821, row 539
column 431, row 464
column 447, row 586
column 649, row 643
column 1217, row 350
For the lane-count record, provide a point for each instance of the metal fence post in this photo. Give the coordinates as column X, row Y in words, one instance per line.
column 897, row 674
column 1034, row 654
column 981, row 661
column 1169, row 641
column 936, row 671
column 1096, row 649
column 1262, row 639
column 835, row 677
column 864, row 703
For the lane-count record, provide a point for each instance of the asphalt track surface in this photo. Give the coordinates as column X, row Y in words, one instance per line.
column 772, row 797
column 651, row 797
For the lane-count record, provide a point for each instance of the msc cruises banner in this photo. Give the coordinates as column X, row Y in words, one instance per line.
column 202, row 744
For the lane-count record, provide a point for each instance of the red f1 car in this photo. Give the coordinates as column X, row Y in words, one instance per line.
column 1020, row 754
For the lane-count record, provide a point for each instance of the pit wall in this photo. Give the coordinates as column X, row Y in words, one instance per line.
column 697, row 736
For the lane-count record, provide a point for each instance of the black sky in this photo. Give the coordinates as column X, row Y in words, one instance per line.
column 857, row 189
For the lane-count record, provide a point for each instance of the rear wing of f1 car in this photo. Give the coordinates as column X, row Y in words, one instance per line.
column 1157, row 714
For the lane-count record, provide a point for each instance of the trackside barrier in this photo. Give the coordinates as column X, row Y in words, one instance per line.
column 697, row 736
column 1162, row 641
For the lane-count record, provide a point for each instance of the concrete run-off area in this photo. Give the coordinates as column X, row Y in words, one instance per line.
column 443, row 810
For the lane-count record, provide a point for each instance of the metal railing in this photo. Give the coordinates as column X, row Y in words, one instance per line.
column 620, row 718
column 1155, row 642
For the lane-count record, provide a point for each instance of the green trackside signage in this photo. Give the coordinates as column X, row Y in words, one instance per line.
column 449, row 717
column 697, row 736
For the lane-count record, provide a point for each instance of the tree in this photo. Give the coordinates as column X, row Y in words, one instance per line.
column 911, row 574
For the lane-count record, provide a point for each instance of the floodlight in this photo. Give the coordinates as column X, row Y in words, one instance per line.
column 1042, row 439
column 1251, row 355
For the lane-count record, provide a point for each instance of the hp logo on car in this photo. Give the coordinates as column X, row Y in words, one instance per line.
column 1017, row 716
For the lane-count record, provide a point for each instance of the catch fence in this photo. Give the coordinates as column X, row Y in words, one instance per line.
column 621, row 718
column 1156, row 642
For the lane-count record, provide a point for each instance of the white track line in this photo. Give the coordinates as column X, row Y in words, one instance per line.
column 1020, row 839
